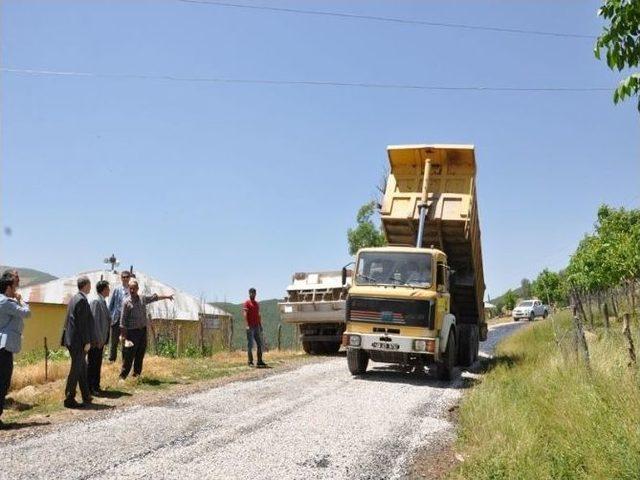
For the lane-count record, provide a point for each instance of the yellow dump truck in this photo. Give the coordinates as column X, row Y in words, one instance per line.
column 419, row 301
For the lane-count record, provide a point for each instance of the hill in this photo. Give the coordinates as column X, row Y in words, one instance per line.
column 29, row 276
column 499, row 301
column 270, row 323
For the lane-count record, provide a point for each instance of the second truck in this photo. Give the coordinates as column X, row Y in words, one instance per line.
column 419, row 301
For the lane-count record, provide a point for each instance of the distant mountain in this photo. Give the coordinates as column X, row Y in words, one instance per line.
column 270, row 321
column 29, row 276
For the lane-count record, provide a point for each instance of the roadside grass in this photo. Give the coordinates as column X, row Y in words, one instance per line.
column 540, row 414
column 31, row 394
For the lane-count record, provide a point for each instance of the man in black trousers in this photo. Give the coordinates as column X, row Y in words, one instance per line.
column 99, row 336
column 77, row 338
column 133, row 328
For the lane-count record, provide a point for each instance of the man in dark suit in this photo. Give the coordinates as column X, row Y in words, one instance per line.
column 99, row 336
column 77, row 338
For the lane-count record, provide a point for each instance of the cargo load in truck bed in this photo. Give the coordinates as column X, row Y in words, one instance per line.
column 452, row 216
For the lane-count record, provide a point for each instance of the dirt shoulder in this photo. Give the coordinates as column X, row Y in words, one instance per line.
column 37, row 408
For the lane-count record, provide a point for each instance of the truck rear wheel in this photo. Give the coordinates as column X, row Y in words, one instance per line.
column 468, row 337
column 444, row 368
column 308, row 347
column 532, row 317
column 357, row 360
column 331, row 348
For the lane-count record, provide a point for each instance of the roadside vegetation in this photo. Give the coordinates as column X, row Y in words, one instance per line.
column 540, row 412
column 561, row 398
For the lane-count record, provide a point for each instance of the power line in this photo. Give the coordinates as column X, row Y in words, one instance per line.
column 314, row 83
column 405, row 21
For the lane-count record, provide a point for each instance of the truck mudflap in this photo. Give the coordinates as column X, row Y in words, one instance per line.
column 483, row 332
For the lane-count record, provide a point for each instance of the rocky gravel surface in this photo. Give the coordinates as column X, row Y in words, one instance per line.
column 312, row 422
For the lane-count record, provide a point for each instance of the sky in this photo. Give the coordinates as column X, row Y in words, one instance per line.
column 216, row 187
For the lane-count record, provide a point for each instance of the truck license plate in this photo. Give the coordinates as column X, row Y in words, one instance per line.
column 386, row 345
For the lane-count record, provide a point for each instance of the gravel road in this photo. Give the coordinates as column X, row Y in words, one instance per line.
column 313, row 422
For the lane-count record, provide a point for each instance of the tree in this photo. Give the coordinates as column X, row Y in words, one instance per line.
column 621, row 42
column 510, row 299
column 365, row 234
column 550, row 287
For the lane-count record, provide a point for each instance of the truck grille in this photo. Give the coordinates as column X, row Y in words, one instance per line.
column 414, row 313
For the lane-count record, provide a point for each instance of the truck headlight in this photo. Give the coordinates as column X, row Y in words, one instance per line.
column 355, row 340
column 428, row 345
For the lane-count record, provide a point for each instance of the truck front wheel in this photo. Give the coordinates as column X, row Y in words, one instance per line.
column 446, row 365
column 357, row 360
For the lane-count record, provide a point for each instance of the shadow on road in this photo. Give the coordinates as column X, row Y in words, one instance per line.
column 21, row 425
column 113, row 394
column 97, row 406
column 16, row 405
column 392, row 374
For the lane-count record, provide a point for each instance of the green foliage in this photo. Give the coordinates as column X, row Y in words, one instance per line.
column 621, row 42
column 611, row 254
column 167, row 347
column 31, row 357
column 538, row 414
column 510, row 299
column 550, row 287
column 193, row 351
column 365, row 234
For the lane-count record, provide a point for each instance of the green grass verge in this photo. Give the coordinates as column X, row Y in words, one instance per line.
column 539, row 414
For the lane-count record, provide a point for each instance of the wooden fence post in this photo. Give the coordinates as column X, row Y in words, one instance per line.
column 46, row 360
column 178, row 339
column 279, row 337
column 606, row 316
column 230, row 339
column 580, row 340
column 626, row 332
column 154, row 339
column 201, row 331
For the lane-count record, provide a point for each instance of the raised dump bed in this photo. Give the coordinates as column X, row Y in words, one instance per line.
column 452, row 215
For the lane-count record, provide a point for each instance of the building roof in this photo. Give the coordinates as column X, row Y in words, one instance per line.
column 183, row 307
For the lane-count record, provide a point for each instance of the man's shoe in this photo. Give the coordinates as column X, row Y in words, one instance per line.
column 261, row 364
column 71, row 403
column 87, row 400
column 250, row 364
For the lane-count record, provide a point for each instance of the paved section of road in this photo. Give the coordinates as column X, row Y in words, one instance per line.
column 313, row 422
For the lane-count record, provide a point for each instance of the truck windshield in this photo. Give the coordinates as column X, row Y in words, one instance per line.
column 394, row 268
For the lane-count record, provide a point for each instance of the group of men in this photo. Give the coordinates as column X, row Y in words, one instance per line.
column 91, row 326
column 88, row 328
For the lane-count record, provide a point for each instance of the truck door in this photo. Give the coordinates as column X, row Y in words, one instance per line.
column 442, row 287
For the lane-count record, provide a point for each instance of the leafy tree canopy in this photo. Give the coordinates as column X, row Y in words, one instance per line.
column 510, row 299
column 621, row 42
column 365, row 234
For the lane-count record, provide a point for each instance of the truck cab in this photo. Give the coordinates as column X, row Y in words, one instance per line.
column 398, row 309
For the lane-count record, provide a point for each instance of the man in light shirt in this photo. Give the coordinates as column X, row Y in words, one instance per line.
column 13, row 311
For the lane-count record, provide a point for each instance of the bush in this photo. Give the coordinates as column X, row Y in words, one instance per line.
column 167, row 347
